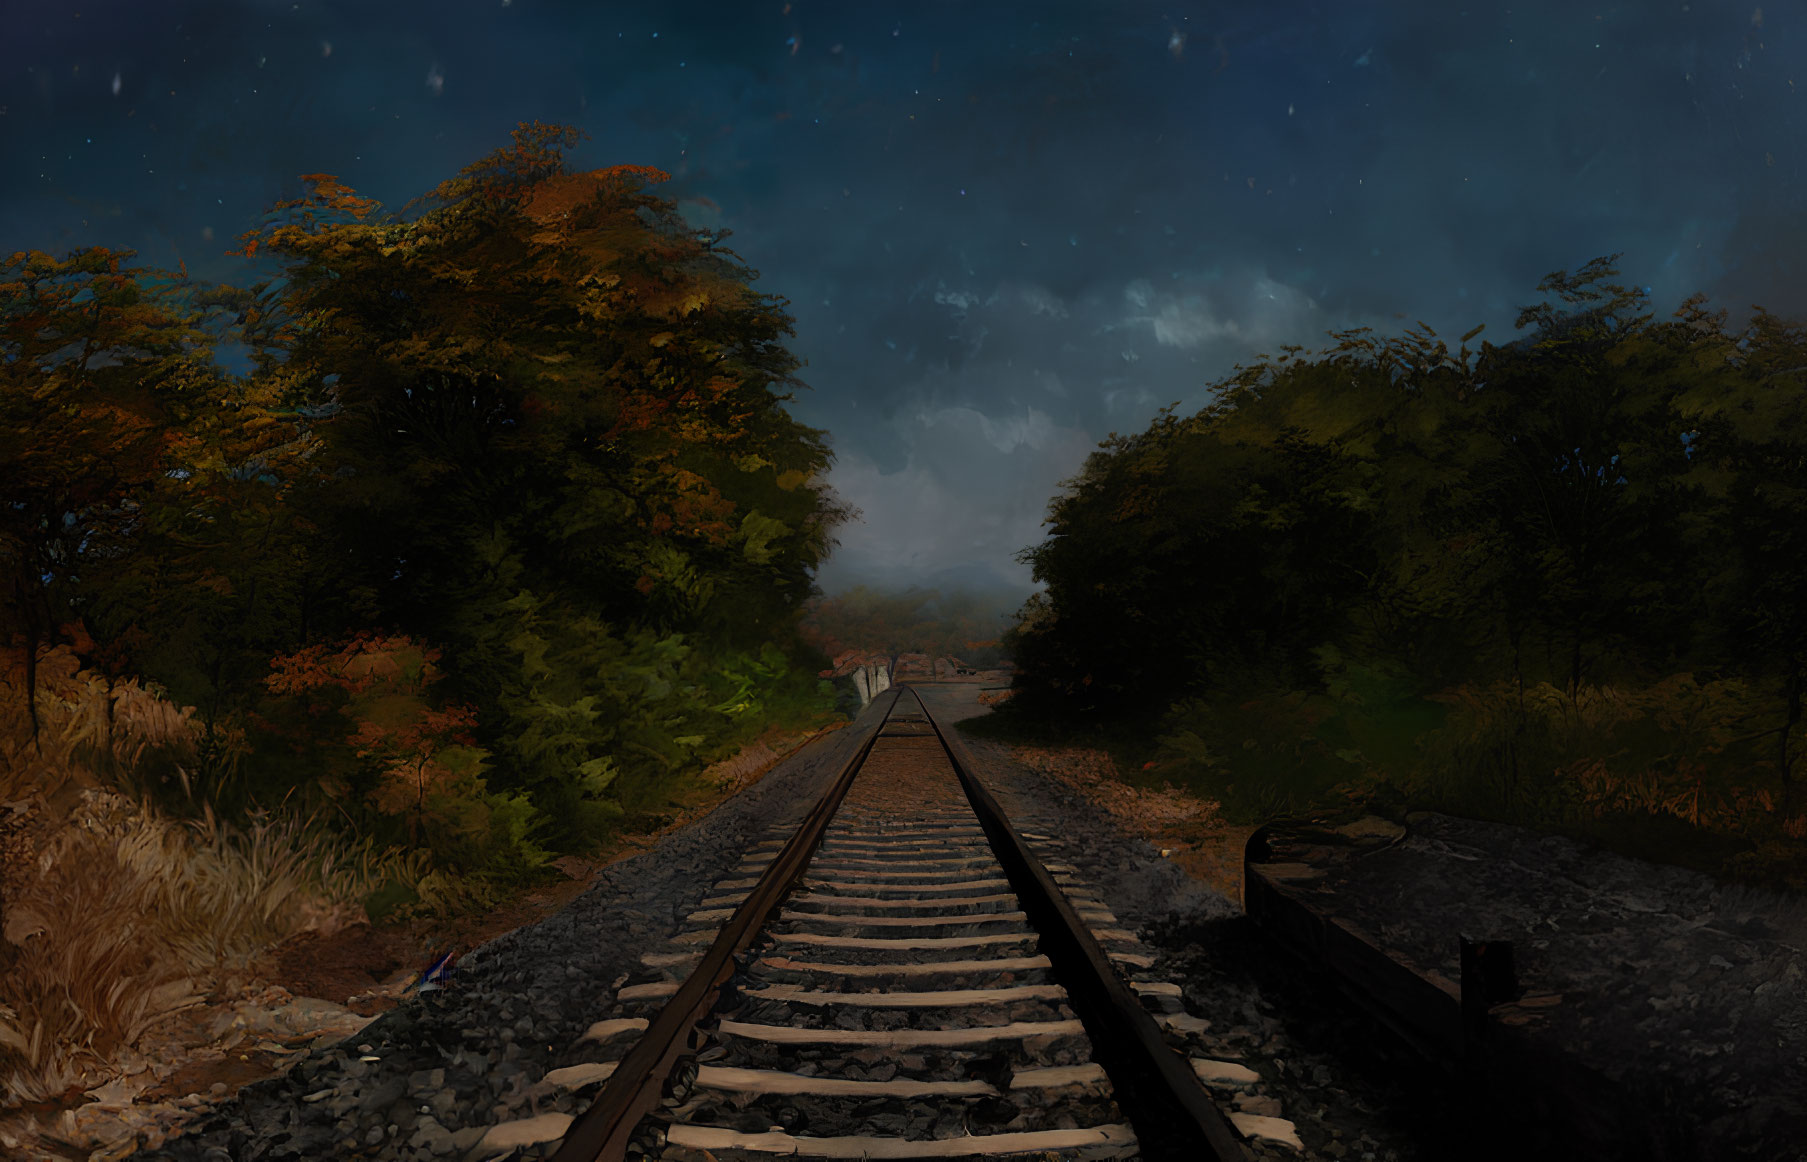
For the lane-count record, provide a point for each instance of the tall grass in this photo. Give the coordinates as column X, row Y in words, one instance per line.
column 130, row 917
column 1677, row 768
column 89, row 729
column 1259, row 758
column 89, row 965
column 114, row 916
column 1675, row 748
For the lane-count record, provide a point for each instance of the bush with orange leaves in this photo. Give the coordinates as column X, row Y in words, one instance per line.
column 396, row 755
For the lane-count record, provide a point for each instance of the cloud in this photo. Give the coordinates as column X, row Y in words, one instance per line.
column 1054, row 240
column 1247, row 308
column 701, row 213
column 1032, row 429
column 1041, row 301
column 1188, row 323
column 961, row 396
column 970, row 494
column 1014, row 385
column 961, row 301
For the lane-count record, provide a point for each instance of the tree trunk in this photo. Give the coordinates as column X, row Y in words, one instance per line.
column 213, row 769
column 420, row 802
column 1783, row 759
column 33, row 638
column 1518, row 725
column 31, row 682
column 112, row 685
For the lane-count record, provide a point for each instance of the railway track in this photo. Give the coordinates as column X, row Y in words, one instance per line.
column 899, row 977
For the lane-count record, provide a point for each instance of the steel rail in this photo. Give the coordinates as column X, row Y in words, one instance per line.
column 636, row 1088
column 1172, row 1114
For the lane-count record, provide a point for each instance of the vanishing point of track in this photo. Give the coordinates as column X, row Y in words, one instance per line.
column 898, row 977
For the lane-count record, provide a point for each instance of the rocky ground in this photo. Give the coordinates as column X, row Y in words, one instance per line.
column 1686, row 994
column 426, row 1078
column 1349, row 1090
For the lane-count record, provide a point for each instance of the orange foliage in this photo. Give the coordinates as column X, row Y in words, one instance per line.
column 410, row 754
column 610, row 334
column 327, row 196
column 400, row 737
column 553, row 199
column 353, row 666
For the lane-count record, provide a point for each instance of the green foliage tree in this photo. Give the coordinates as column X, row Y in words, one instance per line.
column 105, row 375
column 1747, row 397
column 532, row 428
column 1564, row 565
column 552, row 441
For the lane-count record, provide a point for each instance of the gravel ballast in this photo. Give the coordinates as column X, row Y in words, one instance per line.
column 1348, row 1087
column 427, row 1079
column 1282, row 1051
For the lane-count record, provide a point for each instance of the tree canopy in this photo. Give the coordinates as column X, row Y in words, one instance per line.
column 1604, row 503
column 956, row 624
column 528, row 431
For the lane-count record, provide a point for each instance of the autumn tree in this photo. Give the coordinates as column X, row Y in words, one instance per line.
column 383, row 745
column 1208, row 550
column 546, row 407
column 104, row 364
column 1561, row 576
column 1514, row 507
column 1577, row 447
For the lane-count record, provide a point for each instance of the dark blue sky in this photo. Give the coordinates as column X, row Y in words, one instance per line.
column 1005, row 229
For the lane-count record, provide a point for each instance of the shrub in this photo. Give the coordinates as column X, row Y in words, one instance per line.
column 1261, row 758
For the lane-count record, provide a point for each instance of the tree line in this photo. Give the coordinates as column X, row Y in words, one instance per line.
column 955, row 623
column 1558, row 579
column 503, row 529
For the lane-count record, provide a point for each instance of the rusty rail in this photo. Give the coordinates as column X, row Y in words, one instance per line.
column 602, row 1132
column 1174, row 1117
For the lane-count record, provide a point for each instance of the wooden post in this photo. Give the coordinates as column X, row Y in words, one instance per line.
column 1489, row 977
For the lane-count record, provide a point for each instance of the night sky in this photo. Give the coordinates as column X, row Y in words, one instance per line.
column 1005, row 229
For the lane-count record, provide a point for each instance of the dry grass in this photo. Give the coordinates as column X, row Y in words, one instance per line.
column 113, row 916
column 1095, row 773
column 750, row 763
column 84, row 723
column 130, row 917
column 85, row 970
column 1691, row 751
